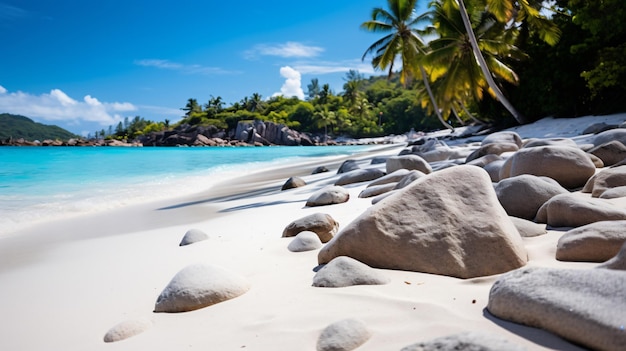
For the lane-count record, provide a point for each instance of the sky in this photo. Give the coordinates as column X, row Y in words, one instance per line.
column 86, row 65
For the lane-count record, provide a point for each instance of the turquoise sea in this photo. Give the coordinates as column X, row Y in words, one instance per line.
column 43, row 183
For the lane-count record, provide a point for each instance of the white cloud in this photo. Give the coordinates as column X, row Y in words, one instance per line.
column 59, row 107
column 334, row 67
column 293, row 83
column 189, row 69
column 288, row 49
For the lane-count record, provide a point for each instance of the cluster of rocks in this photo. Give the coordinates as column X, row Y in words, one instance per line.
column 463, row 212
column 69, row 142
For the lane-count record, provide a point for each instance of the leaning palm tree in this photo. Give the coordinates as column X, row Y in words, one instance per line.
column 506, row 11
column 402, row 40
column 457, row 77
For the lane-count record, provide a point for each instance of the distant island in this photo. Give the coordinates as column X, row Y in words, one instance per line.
column 21, row 127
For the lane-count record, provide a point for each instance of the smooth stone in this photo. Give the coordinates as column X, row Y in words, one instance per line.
column 523, row 195
column 467, row 341
column 127, row 329
column 193, row 236
column 293, row 182
column 322, row 224
column 344, row 335
column 570, row 210
column 305, row 241
column 344, row 271
column 330, row 195
column 410, row 162
column 360, row 175
column 595, row 242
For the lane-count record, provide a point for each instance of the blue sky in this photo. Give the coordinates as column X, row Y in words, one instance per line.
column 85, row 65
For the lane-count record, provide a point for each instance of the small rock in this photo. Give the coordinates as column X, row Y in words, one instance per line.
column 126, row 329
column 360, row 175
column 595, row 242
column 293, row 182
column 305, row 241
column 345, row 335
column 193, row 236
column 409, row 162
column 345, row 271
column 322, row 224
column 468, row 341
column 570, row 210
column 329, row 195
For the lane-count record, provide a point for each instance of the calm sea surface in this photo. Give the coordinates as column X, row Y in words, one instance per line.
column 42, row 183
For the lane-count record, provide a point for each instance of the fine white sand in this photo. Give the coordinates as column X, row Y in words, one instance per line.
column 64, row 284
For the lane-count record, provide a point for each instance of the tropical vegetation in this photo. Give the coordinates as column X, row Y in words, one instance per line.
column 17, row 126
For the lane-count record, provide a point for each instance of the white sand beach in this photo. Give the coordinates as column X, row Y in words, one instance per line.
column 65, row 284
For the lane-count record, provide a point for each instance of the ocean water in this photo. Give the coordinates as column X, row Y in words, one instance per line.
column 44, row 183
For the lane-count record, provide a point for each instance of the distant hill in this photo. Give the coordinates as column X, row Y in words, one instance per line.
column 17, row 126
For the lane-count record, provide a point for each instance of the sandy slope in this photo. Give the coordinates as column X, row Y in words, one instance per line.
column 64, row 284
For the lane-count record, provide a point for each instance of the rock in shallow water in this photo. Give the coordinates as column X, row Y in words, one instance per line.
column 586, row 307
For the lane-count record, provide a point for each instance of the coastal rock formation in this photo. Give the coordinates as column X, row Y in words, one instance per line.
column 330, row 195
column 293, row 182
column 605, row 179
column 197, row 286
column 305, row 241
column 584, row 306
column 409, row 178
column 523, row 195
column 126, row 329
column 344, row 335
column 409, row 162
column 449, row 222
column 610, row 153
column 569, row 166
column 360, row 175
column 595, row 242
column 618, row 262
column 345, row 271
column 321, row 224
column 468, row 341
column 193, row 236
column 270, row 133
column 528, row 229
column 569, row 210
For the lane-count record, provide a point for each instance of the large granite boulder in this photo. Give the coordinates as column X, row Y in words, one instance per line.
column 322, row 224
column 330, row 195
column 197, row 286
column 522, row 195
column 468, row 341
column 344, row 335
column 360, row 175
column 193, row 236
column 605, row 179
column 410, row 162
column 610, row 153
column 570, row 210
column 345, row 271
column 583, row 306
column 571, row 167
column 595, row 242
column 449, row 222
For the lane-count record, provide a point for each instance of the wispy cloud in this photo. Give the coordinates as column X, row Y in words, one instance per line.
column 288, row 50
column 9, row 12
column 184, row 68
column 325, row 67
column 57, row 106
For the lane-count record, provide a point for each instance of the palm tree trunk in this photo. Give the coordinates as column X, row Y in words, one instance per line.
column 432, row 99
column 457, row 117
column 483, row 66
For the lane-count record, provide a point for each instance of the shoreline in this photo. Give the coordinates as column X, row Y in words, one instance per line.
column 66, row 283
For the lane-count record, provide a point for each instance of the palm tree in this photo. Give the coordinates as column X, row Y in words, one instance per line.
column 457, row 76
column 505, row 11
column 325, row 118
column 403, row 40
column 256, row 103
column 191, row 107
column 313, row 89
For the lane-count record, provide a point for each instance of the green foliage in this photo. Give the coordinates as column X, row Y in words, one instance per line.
column 16, row 126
